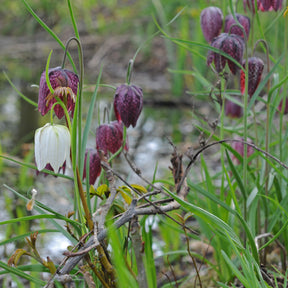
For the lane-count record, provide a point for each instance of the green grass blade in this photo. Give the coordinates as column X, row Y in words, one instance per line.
column 89, row 120
column 33, row 103
column 21, row 274
column 149, row 259
column 50, row 31
column 39, row 207
column 20, row 237
column 237, row 176
column 214, row 221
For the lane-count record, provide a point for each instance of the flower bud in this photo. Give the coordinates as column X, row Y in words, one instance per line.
column 64, row 84
column 211, row 19
column 232, row 45
column 128, row 104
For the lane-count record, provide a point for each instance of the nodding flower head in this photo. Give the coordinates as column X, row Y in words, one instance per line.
column 109, row 137
column 64, row 84
column 264, row 5
column 243, row 20
column 128, row 104
column 232, row 45
column 52, row 146
column 255, row 70
column 211, row 20
column 94, row 165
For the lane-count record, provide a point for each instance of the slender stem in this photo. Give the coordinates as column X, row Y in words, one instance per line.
column 47, row 74
column 79, row 92
column 73, row 19
column 129, row 71
column 31, row 11
column 245, row 115
column 284, row 98
column 222, row 91
column 267, row 140
column 83, row 200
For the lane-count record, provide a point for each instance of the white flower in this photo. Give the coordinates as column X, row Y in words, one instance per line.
column 52, row 146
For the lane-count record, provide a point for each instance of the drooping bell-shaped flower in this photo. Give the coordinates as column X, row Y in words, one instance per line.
column 269, row 5
column 239, row 147
column 243, row 20
column 94, row 165
column 232, row 109
column 64, row 84
column 109, row 137
column 232, row 45
column 52, row 146
column 255, row 70
column 128, row 104
column 211, row 20
column 266, row 4
column 277, row 5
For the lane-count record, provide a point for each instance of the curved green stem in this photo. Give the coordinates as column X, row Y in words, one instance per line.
column 129, row 71
column 47, row 73
column 79, row 92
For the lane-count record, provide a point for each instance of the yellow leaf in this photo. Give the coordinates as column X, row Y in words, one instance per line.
column 126, row 197
column 139, row 188
column 100, row 191
column 14, row 259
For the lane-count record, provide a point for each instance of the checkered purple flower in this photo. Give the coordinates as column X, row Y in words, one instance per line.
column 65, row 84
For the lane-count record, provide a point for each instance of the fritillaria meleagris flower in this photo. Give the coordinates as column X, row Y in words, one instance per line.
column 64, row 84
column 109, row 137
column 243, row 20
column 94, row 165
column 264, row 5
column 255, row 70
column 239, row 147
column 52, row 146
column 128, row 104
column 269, row 5
column 211, row 20
column 232, row 109
column 232, row 45
column 277, row 4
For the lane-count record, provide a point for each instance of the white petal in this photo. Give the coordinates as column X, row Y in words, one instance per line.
column 62, row 146
column 40, row 158
column 52, row 145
